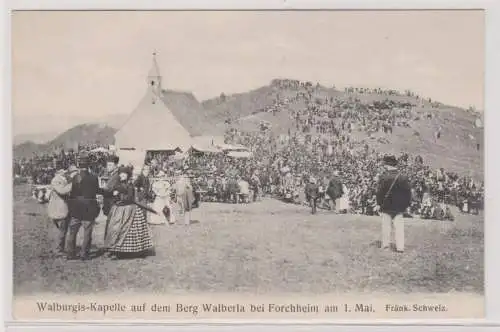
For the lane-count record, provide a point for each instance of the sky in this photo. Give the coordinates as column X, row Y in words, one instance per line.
column 94, row 63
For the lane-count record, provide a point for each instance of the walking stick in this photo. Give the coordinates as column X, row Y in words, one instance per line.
column 147, row 208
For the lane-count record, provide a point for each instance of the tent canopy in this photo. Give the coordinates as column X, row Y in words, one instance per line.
column 240, row 154
column 152, row 126
column 99, row 149
column 206, row 148
column 230, row 147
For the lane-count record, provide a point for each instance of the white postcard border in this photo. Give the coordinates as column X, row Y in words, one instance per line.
column 492, row 102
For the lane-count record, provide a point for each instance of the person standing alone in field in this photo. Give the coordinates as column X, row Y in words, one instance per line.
column 393, row 197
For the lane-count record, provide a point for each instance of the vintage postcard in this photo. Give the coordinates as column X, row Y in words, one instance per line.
column 248, row 165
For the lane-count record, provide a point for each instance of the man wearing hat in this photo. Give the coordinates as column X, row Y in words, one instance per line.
column 58, row 208
column 144, row 188
column 335, row 191
column 393, row 197
column 312, row 193
column 184, row 196
column 83, row 209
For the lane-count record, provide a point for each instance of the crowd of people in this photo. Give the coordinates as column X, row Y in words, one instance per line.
column 319, row 162
column 312, row 114
column 41, row 168
column 321, row 143
column 128, row 203
column 282, row 168
column 353, row 182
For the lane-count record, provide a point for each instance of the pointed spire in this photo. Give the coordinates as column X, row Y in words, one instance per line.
column 154, row 76
column 155, row 70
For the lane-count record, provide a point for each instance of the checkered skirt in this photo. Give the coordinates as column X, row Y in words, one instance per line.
column 139, row 237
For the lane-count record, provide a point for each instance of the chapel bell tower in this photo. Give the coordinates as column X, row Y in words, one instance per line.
column 154, row 77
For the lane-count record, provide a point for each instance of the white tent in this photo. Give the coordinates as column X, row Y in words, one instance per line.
column 232, row 147
column 240, row 154
column 207, row 143
column 99, row 149
column 133, row 158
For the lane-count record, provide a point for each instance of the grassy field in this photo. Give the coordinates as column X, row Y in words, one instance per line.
column 264, row 247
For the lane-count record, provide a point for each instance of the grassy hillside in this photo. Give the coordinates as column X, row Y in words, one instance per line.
column 456, row 150
column 85, row 133
column 240, row 105
column 189, row 112
column 27, row 149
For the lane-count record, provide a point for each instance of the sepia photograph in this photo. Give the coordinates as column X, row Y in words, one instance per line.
column 275, row 164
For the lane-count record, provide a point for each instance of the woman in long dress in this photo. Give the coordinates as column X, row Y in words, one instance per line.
column 161, row 189
column 127, row 232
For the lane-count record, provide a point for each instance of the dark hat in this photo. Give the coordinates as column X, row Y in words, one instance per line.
column 113, row 159
column 390, row 160
column 126, row 170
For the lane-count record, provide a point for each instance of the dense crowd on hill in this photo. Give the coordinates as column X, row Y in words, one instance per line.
column 321, row 142
column 310, row 87
column 335, row 116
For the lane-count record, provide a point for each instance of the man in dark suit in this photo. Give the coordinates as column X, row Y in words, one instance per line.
column 312, row 194
column 113, row 179
column 143, row 186
column 334, row 190
column 144, row 189
column 83, row 210
column 393, row 197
